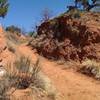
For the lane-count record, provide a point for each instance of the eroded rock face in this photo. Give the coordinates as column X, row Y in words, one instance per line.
column 70, row 38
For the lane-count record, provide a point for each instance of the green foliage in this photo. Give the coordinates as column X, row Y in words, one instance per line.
column 14, row 29
column 75, row 13
column 97, row 8
column 3, row 8
column 86, row 4
column 31, row 33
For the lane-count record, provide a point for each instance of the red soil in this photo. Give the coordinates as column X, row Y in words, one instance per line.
column 72, row 85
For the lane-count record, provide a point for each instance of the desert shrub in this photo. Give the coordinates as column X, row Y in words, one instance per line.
column 26, row 72
column 27, row 75
column 44, row 84
column 14, row 29
column 31, row 33
column 91, row 68
column 20, row 79
column 11, row 37
column 75, row 13
column 30, row 75
column 6, row 83
column 4, row 87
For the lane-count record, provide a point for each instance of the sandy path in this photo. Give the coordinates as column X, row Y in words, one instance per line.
column 72, row 85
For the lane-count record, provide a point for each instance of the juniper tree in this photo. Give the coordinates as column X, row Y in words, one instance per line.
column 88, row 4
column 3, row 8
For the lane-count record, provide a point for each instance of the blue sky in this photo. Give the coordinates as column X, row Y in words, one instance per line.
column 27, row 13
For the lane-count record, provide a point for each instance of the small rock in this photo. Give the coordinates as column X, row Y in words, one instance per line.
column 5, row 48
column 0, row 60
column 1, row 65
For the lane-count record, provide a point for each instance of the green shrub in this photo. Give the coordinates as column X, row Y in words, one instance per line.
column 3, row 8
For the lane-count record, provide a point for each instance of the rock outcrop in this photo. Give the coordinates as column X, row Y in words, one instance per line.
column 69, row 38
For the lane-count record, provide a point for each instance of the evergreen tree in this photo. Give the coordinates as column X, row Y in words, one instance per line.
column 97, row 8
column 88, row 4
column 3, row 8
column 14, row 29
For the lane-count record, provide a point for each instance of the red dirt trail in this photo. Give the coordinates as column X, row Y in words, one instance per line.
column 72, row 85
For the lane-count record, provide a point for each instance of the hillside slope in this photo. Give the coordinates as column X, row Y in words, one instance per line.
column 72, row 37
column 67, row 38
column 9, row 54
column 70, row 84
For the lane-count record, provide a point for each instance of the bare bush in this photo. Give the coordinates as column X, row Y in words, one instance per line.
column 46, row 15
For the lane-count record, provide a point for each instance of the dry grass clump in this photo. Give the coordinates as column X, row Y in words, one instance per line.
column 4, row 87
column 20, row 79
column 27, row 75
column 45, row 84
column 30, row 75
column 12, row 37
column 7, row 82
column 11, row 47
column 91, row 68
column 26, row 72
